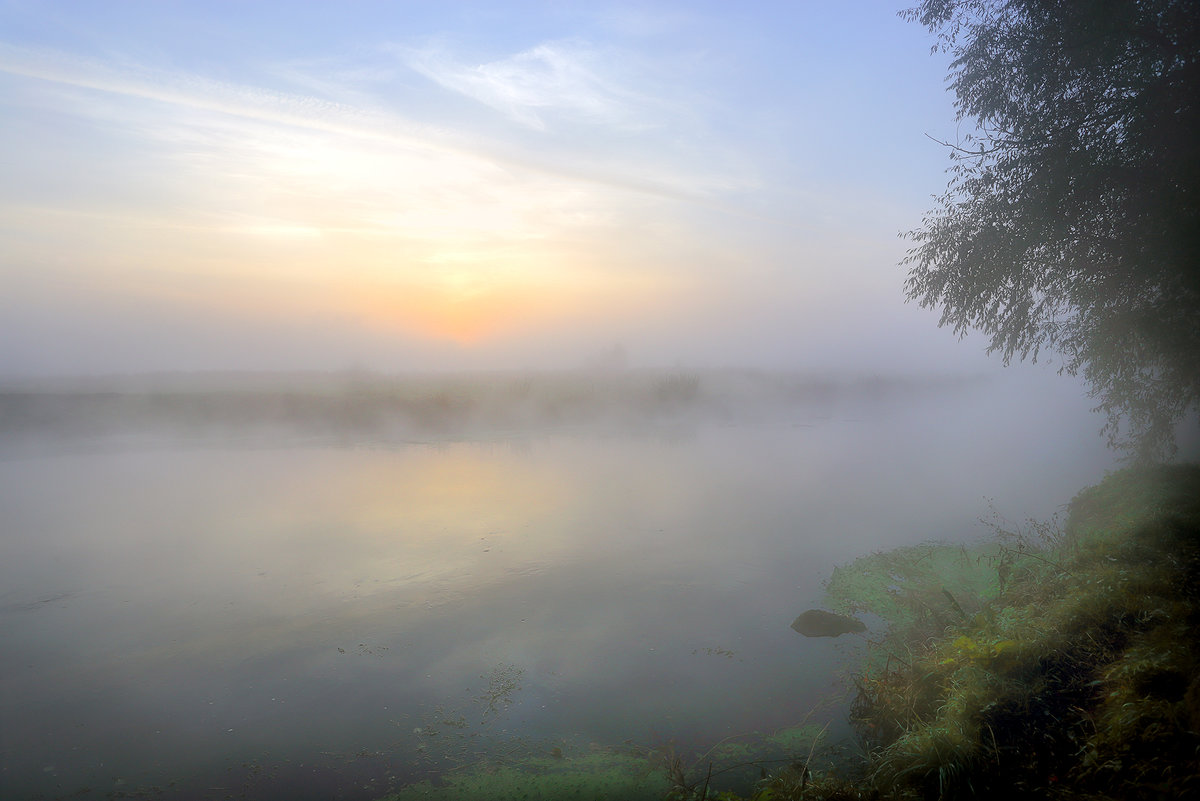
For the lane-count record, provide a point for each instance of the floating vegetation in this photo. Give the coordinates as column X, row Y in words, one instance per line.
column 503, row 682
column 582, row 776
column 367, row 650
column 469, row 759
column 630, row 772
column 718, row 651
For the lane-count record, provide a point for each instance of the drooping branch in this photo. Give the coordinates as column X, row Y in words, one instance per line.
column 1071, row 221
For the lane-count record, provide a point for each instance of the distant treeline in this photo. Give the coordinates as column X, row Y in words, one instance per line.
column 366, row 405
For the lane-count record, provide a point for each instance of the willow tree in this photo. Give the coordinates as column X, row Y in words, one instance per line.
column 1071, row 222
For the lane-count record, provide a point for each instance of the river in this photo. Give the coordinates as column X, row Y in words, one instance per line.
column 317, row 620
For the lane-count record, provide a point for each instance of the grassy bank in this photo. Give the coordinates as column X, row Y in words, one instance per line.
column 1051, row 661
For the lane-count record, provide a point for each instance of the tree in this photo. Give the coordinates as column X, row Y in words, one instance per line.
column 1071, row 222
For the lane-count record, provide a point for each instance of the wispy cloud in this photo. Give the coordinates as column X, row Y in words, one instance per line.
column 553, row 78
column 196, row 92
column 333, row 77
column 204, row 178
column 550, row 79
column 199, row 165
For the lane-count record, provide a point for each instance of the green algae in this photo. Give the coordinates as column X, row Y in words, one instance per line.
column 586, row 777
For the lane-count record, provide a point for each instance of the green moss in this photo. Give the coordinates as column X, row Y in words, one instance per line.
column 519, row 770
column 593, row 776
column 929, row 585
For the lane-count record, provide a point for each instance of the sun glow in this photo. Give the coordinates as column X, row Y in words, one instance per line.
column 279, row 207
column 462, row 310
column 470, row 305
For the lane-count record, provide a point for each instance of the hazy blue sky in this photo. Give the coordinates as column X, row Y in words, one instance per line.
column 208, row 185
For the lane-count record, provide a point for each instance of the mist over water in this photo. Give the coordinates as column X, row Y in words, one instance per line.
column 288, row 600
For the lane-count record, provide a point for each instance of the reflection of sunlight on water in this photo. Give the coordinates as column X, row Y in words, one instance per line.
column 221, row 601
column 412, row 523
column 189, row 561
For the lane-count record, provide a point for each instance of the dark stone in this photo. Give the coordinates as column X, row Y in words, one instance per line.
column 819, row 623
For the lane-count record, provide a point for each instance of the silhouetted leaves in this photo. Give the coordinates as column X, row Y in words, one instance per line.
column 1071, row 222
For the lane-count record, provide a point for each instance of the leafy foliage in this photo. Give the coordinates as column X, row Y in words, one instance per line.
column 1071, row 222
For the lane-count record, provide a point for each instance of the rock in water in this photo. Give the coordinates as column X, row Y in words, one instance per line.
column 819, row 623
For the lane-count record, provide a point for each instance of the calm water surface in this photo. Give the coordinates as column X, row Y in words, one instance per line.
column 304, row 619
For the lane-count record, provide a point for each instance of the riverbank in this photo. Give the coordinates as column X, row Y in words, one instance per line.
column 1053, row 661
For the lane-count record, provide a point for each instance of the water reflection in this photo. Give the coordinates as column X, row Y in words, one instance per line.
column 244, row 617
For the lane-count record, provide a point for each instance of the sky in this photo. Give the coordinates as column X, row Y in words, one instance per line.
column 463, row 185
